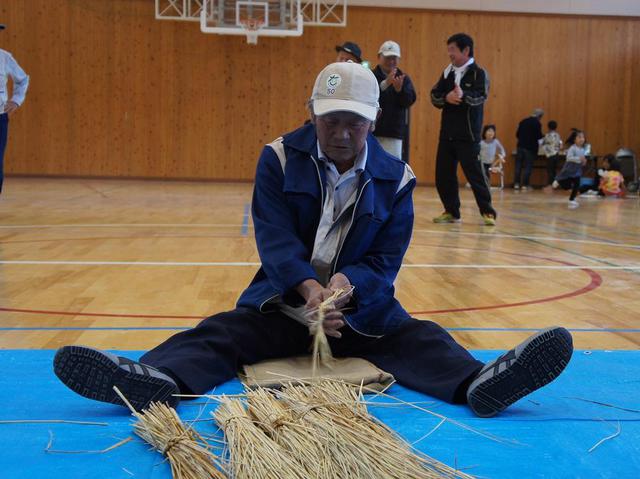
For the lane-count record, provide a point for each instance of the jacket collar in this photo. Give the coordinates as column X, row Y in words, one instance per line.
column 378, row 166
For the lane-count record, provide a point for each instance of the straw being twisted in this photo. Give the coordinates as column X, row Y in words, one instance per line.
column 321, row 351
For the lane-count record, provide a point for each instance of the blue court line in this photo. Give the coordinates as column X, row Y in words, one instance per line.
column 183, row 328
column 244, row 229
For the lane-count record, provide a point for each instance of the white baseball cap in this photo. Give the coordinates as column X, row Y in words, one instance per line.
column 389, row 48
column 346, row 86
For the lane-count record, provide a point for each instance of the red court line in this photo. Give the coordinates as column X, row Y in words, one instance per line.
column 596, row 281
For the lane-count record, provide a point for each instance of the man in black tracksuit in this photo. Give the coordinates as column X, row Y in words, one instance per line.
column 461, row 92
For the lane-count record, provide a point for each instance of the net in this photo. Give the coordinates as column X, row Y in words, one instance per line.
column 252, row 28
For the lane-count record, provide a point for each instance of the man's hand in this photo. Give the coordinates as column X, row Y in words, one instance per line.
column 397, row 82
column 391, row 76
column 10, row 107
column 340, row 281
column 453, row 97
column 314, row 294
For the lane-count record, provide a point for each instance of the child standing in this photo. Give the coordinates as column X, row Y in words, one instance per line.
column 551, row 146
column 569, row 176
column 491, row 151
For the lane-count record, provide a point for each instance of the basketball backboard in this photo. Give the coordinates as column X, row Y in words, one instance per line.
column 254, row 18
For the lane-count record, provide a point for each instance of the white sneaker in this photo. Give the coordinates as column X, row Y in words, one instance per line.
column 525, row 188
column 555, row 185
column 573, row 204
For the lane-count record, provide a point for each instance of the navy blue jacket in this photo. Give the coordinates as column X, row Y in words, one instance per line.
column 286, row 209
column 462, row 122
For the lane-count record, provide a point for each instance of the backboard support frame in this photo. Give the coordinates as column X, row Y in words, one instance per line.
column 209, row 13
column 317, row 13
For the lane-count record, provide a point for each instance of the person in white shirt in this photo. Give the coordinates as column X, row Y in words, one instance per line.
column 9, row 68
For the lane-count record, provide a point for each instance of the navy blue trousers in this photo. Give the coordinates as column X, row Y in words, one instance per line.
column 524, row 166
column 4, row 129
column 420, row 354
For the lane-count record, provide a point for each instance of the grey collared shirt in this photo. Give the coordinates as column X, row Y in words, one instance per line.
column 337, row 212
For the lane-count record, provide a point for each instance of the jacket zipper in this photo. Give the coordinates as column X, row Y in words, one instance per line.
column 321, row 185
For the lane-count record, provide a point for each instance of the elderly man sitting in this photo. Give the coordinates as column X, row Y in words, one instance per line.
column 331, row 210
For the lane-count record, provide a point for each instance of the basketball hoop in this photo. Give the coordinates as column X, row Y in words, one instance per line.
column 252, row 27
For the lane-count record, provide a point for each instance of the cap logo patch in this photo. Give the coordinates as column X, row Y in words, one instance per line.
column 333, row 82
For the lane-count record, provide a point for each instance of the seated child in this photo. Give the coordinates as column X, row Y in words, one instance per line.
column 611, row 180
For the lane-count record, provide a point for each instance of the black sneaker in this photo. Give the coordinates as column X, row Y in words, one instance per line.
column 529, row 366
column 93, row 373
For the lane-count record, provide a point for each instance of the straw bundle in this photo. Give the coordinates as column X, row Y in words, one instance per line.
column 253, row 455
column 188, row 453
column 288, row 429
column 362, row 447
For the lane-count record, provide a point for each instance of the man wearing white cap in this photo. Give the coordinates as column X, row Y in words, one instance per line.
column 9, row 68
column 397, row 94
column 331, row 210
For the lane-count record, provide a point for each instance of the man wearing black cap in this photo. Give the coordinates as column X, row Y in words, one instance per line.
column 349, row 51
column 9, row 68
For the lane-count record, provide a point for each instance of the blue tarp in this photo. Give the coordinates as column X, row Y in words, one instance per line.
column 546, row 435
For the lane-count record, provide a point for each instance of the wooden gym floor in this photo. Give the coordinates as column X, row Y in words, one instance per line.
column 124, row 264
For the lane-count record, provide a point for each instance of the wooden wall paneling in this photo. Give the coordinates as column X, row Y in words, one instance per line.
column 115, row 92
column 632, row 98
